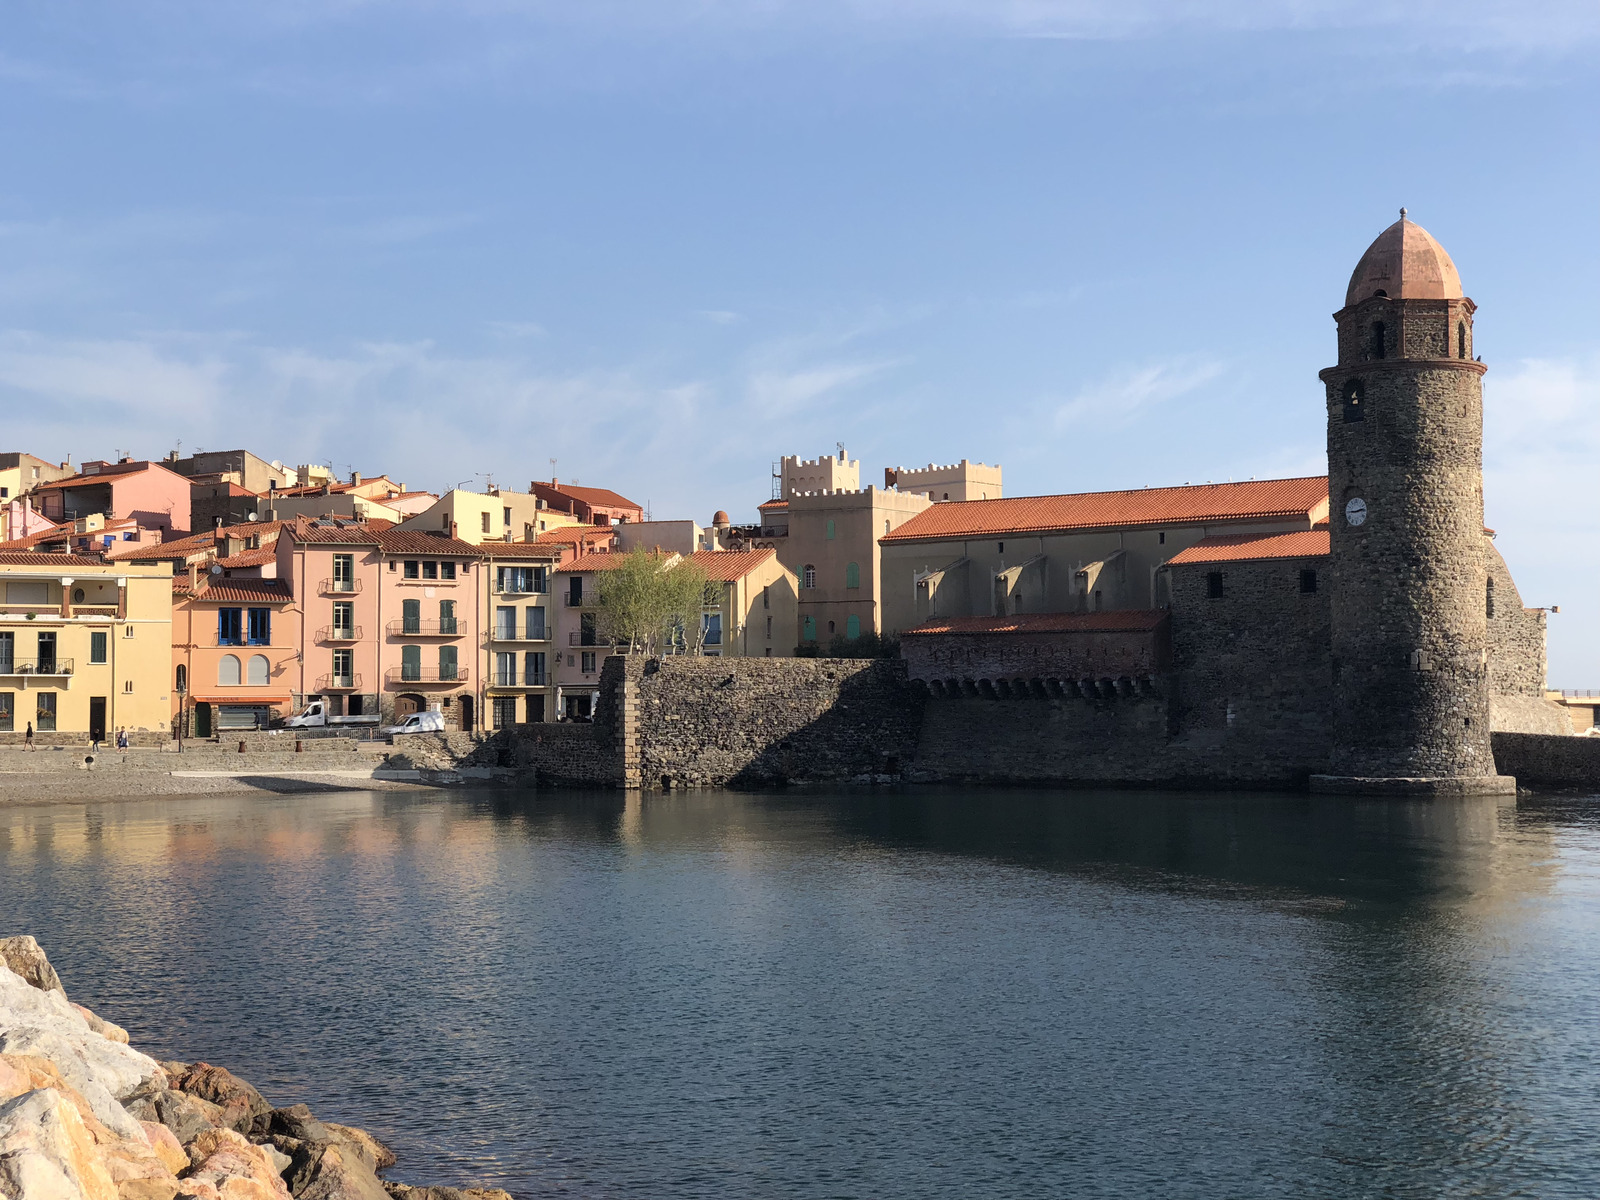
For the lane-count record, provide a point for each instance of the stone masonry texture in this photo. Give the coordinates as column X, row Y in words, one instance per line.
column 1409, row 635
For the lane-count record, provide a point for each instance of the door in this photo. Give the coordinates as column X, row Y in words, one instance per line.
column 406, row 705
column 202, row 720
column 466, row 712
column 97, row 718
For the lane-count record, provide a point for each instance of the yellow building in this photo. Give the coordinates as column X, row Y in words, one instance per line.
column 499, row 515
column 85, row 647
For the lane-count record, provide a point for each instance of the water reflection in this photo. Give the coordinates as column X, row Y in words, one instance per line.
column 874, row 994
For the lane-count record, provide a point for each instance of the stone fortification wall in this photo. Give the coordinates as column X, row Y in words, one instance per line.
column 1076, row 654
column 1517, row 659
column 743, row 721
column 1254, row 665
column 1548, row 760
column 554, row 754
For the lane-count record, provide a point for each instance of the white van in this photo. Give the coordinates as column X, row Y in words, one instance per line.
column 422, row 722
column 316, row 716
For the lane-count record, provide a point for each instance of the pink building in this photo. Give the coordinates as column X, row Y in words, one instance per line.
column 147, row 492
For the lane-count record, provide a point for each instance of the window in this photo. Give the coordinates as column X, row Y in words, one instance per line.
column 344, row 667
column 808, row 578
column 712, row 628
column 520, row 579
column 230, row 623
column 259, row 629
column 506, row 517
column 1214, row 585
column 505, row 623
column 47, row 654
column 830, row 530
column 444, row 520
column 587, row 630
column 430, row 570
column 1308, row 582
column 769, row 629
column 344, row 619
column 8, row 707
column 8, row 650
column 768, row 653
column 391, row 566
column 1161, row 539
column 808, row 629
column 344, row 572
column 258, row 671
column 505, row 670
column 766, row 597
column 44, row 715
column 447, row 662
column 830, row 626
column 852, row 627
column 1377, row 345
column 228, row 671
column 852, row 575
column 447, row 570
column 447, row 617
column 587, row 665
column 535, row 710
column 533, row 668
column 485, row 522
column 1488, row 600
column 410, row 662
column 413, row 569
column 127, row 631
column 98, row 647
column 1354, row 393
column 1461, row 339
column 127, row 687
column 4, row 492
column 534, row 616
column 541, row 579
column 1099, row 599
column 1001, row 547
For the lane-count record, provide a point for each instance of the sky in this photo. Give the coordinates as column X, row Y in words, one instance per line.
column 665, row 242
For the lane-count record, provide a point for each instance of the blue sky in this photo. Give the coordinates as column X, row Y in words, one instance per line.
column 665, row 243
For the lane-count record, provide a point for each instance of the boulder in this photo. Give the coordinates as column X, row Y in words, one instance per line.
column 366, row 1147
column 26, row 958
column 101, row 1026
column 298, row 1122
column 332, row 1173
column 224, row 1166
column 46, row 1153
column 403, row 1191
column 165, row 1145
column 243, row 1107
column 186, row 1117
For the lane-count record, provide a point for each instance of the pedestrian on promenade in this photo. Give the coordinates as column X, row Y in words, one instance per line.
column 27, row 738
column 122, row 738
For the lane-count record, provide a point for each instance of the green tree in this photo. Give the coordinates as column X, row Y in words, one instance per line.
column 652, row 602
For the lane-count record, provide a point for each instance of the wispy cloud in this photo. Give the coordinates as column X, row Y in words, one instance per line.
column 1123, row 397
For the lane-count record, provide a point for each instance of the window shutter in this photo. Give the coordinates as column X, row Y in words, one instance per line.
column 447, row 662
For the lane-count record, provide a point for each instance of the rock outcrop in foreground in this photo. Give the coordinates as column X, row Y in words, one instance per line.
column 84, row 1116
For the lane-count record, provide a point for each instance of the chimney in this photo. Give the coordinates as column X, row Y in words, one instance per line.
column 172, row 456
column 452, row 529
column 194, row 578
column 355, row 478
column 216, row 523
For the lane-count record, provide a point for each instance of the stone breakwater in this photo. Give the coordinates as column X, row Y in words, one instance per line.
column 84, row 1116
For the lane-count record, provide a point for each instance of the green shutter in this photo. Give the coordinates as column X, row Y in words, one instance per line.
column 411, row 615
column 447, row 662
column 852, row 575
column 852, row 625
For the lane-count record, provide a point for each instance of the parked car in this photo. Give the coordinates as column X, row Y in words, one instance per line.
column 422, row 722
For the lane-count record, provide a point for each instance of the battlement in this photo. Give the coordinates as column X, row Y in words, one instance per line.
column 965, row 480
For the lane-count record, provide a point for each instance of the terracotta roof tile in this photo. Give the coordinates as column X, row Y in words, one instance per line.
column 105, row 472
column 51, row 534
column 604, row 497
column 773, row 504
column 251, row 558
column 236, row 591
column 724, row 566
column 24, row 558
column 571, row 535
column 337, row 532
column 592, row 562
column 548, row 551
column 418, row 541
column 1308, row 543
column 1135, row 620
column 1190, row 505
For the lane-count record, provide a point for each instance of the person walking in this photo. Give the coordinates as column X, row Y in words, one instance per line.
column 27, row 738
column 122, row 738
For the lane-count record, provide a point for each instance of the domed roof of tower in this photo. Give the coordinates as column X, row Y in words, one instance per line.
column 1404, row 263
column 719, row 519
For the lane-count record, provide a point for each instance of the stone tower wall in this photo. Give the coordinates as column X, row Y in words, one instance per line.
column 1409, row 631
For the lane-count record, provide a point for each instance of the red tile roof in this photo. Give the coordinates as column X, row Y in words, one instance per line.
column 1268, row 499
column 724, row 566
column 773, row 504
column 1309, row 543
column 200, row 543
column 547, row 551
column 24, row 558
column 419, row 541
column 571, row 535
column 52, row 533
column 235, row 591
column 337, row 532
column 251, row 558
column 592, row 496
column 1135, row 620
column 592, row 562
column 110, row 469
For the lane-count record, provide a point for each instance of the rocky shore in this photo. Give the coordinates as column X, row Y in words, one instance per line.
column 84, row 1116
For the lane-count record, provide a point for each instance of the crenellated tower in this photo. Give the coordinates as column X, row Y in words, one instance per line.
column 1405, row 487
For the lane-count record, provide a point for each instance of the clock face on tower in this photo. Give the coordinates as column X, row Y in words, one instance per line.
column 1356, row 511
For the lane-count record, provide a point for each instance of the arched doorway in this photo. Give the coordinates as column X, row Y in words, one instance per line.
column 466, row 714
column 407, row 703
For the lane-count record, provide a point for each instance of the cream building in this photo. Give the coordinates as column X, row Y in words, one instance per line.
column 959, row 481
column 21, row 473
column 85, row 647
column 829, row 473
column 497, row 515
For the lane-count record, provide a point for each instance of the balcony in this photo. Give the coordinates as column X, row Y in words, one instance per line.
column 508, row 679
column 338, row 683
column 443, row 627
column 242, row 643
column 339, row 633
column 36, row 666
column 588, row 640
column 568, row 600
column 339, row 587
column 424, row 675
column 503, row 633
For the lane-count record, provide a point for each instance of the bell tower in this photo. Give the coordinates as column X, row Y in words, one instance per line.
column 1405, row 490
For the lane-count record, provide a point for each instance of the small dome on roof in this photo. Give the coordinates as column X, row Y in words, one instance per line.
column 1404, row 263
column 719, row 519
